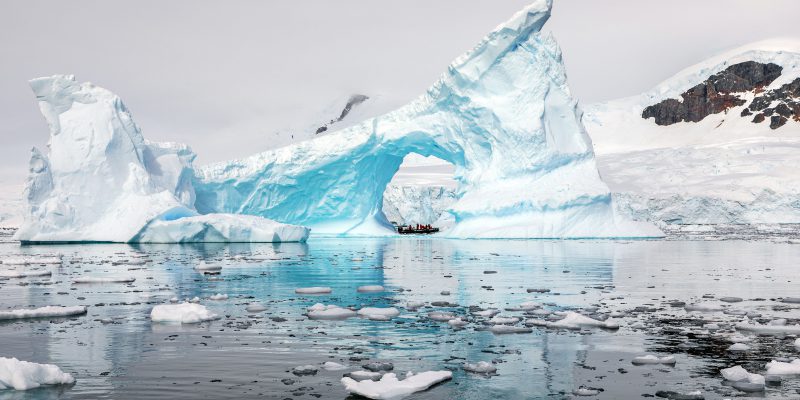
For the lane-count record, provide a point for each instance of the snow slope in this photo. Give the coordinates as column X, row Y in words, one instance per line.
column 102, row 181
column 502, row 114
column 722, row 169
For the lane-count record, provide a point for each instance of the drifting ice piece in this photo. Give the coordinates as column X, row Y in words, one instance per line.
column 24, row 375
column 389, row 387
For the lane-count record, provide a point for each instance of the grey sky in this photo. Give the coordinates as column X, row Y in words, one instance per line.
column 224, row 75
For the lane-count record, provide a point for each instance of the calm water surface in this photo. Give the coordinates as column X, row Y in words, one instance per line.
column 116, row 352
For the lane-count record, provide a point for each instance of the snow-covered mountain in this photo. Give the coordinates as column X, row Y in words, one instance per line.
column 716, row 143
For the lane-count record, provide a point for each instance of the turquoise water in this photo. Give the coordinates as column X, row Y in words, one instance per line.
column 116, row 352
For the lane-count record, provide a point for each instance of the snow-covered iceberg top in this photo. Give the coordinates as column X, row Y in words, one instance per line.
column 101, row 181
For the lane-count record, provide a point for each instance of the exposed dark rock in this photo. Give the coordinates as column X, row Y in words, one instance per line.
column 716, row 94
column 787, row 98
column 746, row 112
column 776, row 121
column 354, row 101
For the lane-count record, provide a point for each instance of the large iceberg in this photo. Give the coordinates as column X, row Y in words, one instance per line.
column 103, row 182
column 502, row 114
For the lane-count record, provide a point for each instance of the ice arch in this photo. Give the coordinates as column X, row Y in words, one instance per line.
column 502, row 114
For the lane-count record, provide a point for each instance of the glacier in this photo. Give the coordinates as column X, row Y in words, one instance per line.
column 101, row 181
column 724, row 169
column 502, row 115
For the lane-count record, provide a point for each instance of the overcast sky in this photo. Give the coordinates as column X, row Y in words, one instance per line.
column 223, row 76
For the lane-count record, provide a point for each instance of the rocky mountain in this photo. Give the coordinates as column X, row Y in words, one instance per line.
column 717, row 143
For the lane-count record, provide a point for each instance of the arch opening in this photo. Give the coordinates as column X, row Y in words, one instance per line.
column 420, row 192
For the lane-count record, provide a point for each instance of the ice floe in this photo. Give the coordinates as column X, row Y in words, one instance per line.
column 218, row 296
column 23, row 274
column 389, row 387
column 313, row 290
column 332, row 312
column 652, row 359
column 481, row 367
column 743, row 380
column 333, row 366
column 24, row 375
column 775, row 367
column 573, row 320
column 370, row 289
column 97, row 279
column 378, row 313
column 184, row 313
column 43, row 312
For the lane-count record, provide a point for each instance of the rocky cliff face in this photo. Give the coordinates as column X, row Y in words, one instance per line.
column 777, row 105
column 732, row 88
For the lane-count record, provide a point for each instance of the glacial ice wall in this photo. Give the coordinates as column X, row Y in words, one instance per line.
column 502, row 114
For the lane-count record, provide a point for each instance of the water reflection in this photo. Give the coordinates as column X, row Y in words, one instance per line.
column 116, row 352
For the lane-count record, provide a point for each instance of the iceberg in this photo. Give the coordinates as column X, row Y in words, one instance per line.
column 103, row 182
column 502, row 114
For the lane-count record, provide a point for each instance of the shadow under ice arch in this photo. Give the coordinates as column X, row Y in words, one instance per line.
column 502, row 114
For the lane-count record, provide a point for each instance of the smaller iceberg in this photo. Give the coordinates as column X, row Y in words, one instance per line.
column 101, row 181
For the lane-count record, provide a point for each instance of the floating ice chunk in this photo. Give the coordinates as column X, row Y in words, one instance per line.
column 573, row 320
column 768, row 329
column 32, row 260
column 457, row 323
column 173, row 300
column 23, row 274
column 364, row 375
column 332, row 312
column 43, row 312
column 529, row 305
column 378, row 366
column 739, row 347
column 389, row 387
column 203, row 267
column 184, row 313
column 791, row 300
column 797, row 343
column 783, row 368
column 508, row 329
column 333, row 366
column 739, row 338
column 379, row 312
column 487, row 313
column 652, row 359
column 414, row 305
column 194, row 299
column 731, row 299
column 743, row 380
column 370, row 289
column 305, row 370
column 97, row 279
column 500, row 320
column 583, row 391
column 255, row 307
column 481, row 367
column 219, row 296
column 24, row 375
column 441, row 316
column 313, row 290
column 702, row 307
